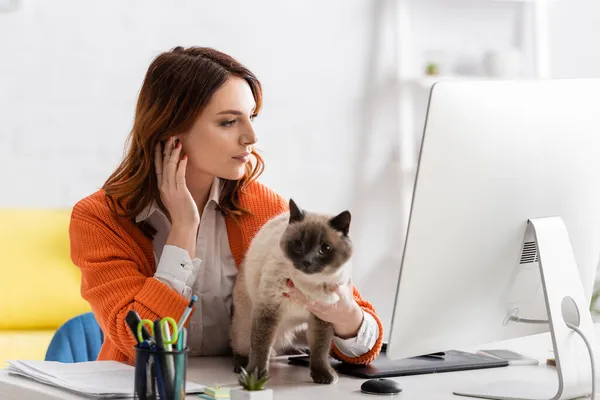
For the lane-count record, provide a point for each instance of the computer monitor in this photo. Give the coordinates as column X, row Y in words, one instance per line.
column 502, row 166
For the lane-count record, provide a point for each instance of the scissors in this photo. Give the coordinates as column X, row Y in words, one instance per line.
column 168, row 338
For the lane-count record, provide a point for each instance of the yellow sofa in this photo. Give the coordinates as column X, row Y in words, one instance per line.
column 39, row 285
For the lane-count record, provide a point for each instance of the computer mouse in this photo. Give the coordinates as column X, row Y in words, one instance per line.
column 381, row 386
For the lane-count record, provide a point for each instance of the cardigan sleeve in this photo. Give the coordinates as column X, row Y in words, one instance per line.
column 112, row 281
column 363, row 342
column 374, row 352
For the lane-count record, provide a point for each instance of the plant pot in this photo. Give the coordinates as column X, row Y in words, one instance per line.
column 241, row 394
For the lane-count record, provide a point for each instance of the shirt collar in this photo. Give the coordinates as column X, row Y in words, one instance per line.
column 213, row 197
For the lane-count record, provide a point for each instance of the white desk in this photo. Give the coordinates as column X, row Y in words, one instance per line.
column 293, row 382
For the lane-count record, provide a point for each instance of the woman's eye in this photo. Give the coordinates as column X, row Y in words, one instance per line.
column 325, row 248
column 228, row 123
column 253, row 117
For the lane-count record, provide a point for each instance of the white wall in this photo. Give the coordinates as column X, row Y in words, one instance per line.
column 575, row 30
column 70, row 71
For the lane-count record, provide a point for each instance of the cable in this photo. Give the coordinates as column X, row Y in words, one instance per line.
column 576, row 330
column 589, row 347
column 527, row 320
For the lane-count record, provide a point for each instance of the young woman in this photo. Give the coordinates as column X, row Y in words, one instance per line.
column 178, row 214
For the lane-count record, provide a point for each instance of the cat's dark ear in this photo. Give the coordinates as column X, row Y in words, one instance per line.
column 341, row 222
column 296, row 214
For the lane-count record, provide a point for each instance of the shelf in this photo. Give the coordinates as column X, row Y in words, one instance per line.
column 427, row 82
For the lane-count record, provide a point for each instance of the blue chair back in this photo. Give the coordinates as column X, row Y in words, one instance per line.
column 77, row 340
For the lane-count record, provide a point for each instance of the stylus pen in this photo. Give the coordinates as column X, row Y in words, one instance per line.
column 186, row 313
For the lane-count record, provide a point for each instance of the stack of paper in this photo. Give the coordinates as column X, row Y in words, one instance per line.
column 95, row 379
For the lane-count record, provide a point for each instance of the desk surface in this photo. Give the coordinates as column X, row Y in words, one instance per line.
column 293, row 382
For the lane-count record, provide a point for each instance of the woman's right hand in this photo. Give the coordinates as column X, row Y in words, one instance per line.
column 170, row 175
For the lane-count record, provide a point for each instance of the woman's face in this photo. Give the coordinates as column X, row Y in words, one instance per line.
column 221, row 139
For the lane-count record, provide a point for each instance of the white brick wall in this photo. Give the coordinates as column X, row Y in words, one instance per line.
column 70, row 71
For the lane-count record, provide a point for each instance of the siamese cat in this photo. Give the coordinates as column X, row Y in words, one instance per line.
column 310, row 249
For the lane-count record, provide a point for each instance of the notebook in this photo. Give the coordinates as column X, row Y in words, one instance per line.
column 94, row 379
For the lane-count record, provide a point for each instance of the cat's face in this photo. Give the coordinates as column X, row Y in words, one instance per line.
column 316, row 243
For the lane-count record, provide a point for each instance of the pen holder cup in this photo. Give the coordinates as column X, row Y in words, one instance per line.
column 159, row 375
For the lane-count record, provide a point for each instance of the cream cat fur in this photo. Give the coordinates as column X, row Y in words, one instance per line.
column 310, row 249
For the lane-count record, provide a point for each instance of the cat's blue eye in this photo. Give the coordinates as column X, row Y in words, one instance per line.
column 297, row 245
column 325, row 248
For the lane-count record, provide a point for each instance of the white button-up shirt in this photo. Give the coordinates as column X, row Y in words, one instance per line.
column 211, row 275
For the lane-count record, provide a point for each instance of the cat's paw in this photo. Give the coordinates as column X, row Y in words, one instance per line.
column 262, row 369
column 239, row 362
column 323, row 375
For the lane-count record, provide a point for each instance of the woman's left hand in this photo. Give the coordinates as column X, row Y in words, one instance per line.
column 345, row 315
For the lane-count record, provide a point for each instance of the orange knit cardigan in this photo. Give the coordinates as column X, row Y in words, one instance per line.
column 117, row 267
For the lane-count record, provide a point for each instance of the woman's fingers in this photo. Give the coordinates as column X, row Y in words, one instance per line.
column 296, row 296
column 158, row 161
column 345, row 289
column 165, row 162
column 180, row 179
column 172, row 163
column 339, row 290
column 332, row 287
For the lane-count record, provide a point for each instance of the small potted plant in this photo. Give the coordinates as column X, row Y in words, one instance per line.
column 432, row 69
column 253, row 387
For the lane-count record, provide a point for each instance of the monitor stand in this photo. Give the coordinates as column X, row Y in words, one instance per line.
column 565, row 303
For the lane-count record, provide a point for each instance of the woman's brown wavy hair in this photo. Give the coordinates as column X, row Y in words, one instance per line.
column 177, row 87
